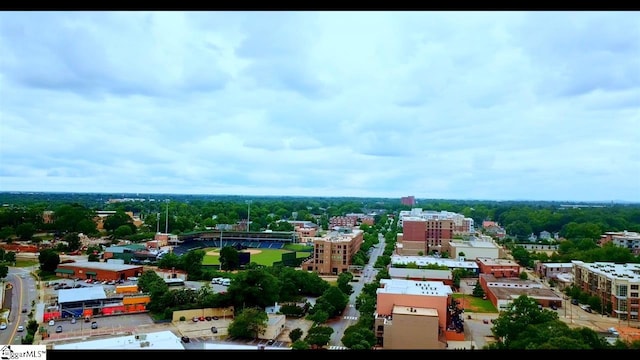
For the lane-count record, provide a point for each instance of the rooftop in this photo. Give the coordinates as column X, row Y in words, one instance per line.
column 411, row 287
column 99, row 266
column 162, row 340
column 81, row 294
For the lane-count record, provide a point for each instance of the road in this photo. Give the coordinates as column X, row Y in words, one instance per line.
column 22, row 293
column 350, row 315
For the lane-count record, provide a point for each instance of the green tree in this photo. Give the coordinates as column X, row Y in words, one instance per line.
column 358, row 338
column 343, row 282
column 254, row 288
column 477, row 290
column 49, row 260
column 300, row 345
column 229, row 258
column 122, row 231
column 6, row 232
column 25, row 231
column 295, row 334
column 4, row 271
column 249, row 323
column 318, row 336
column 73, row 241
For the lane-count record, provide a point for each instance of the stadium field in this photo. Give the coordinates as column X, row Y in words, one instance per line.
column 264, row 257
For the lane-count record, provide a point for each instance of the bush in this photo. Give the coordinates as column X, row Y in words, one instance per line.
column 182, row 318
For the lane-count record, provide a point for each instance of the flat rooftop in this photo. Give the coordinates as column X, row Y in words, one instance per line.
column 162, row 340
column 411, row 287
column 99, row 266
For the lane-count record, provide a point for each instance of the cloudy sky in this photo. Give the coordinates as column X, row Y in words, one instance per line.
column 449, row 105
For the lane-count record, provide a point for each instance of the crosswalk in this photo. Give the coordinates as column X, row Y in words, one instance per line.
column 338, row 348
column 350, row 317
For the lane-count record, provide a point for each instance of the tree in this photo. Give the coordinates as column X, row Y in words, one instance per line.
column 295, row 334
column 49, row 260
column 249, row 323
column 318, row 336
column 358, row 338
column 300, row 345
column 254, row 288
column 523, row 275
column 25, row 231
column 73, row 241
column 122, row 231
column 4, row 271
column 477, row 290
column 344, row 280
column 229, row 258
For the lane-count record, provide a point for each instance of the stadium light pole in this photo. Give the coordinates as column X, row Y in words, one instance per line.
column 248, row 214
column 166, row 224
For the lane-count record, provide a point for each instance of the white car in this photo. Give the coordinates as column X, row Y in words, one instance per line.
column 51, row 322
column 3, row 326
column 20, row 328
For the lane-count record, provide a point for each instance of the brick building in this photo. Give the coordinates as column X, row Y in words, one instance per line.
column 332, row 253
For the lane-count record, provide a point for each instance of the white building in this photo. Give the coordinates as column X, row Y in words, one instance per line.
column 162, row 340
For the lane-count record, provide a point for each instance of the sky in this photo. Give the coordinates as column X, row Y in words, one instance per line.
column 435, row 104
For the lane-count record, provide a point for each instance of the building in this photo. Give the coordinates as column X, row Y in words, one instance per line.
column 550, row 271
column 161, row 340
column 421, row 236
column 472, row 249
column 93, row 301
column 625, row 239
column 413, row 315
column 408, row 200
column 342, row 221
column 499, row 268
column 617, row 286
column 502, row 291
column 427, row 268
column 461, row 225
column 97, row 270
column 275, row 326
column 332, row 253
column 123, row 252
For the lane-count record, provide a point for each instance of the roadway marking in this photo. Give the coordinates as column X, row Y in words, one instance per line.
column 338, row 348
column 350, row 317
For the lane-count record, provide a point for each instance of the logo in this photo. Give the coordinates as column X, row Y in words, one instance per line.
column 24, row 352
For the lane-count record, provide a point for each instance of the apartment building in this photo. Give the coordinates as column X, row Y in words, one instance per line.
column 342, row 221
column 624, row 239
column 408, row 200
column 461, row 224
column 333, row 252
column 420, row 236
column 500, row 268
column 617, row 286
column 414, row 315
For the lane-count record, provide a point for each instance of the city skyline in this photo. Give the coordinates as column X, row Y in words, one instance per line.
column 505, row 105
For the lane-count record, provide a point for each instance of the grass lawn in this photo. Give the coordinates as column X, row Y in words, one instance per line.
column 266, row 257
column 25, row 263
column 475, row 304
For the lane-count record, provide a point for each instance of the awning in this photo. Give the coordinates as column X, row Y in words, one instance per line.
column 65, row 271
column 91, row 273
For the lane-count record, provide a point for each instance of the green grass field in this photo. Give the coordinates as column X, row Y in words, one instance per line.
column 266, row 257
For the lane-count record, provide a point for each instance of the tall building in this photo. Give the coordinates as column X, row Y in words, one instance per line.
column 415, row 315
column 408, row 200
column 332, row 254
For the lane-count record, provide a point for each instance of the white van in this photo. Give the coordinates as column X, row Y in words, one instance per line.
column 226, row 282
column 217, row 280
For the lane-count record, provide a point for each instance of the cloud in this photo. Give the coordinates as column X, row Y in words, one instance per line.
column 491, row 105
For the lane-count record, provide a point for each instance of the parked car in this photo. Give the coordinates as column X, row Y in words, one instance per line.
column 52, row 322
column 214, row 329
column 20, row 328
column 59, row 329
column 195, row 319
column 73, row 320
column 270, row 342
column 185, row 339
column 94, row 325
column 553, row 307
column 3, row 326
column 575, row 301
column 485, row 321
column 208, row 318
